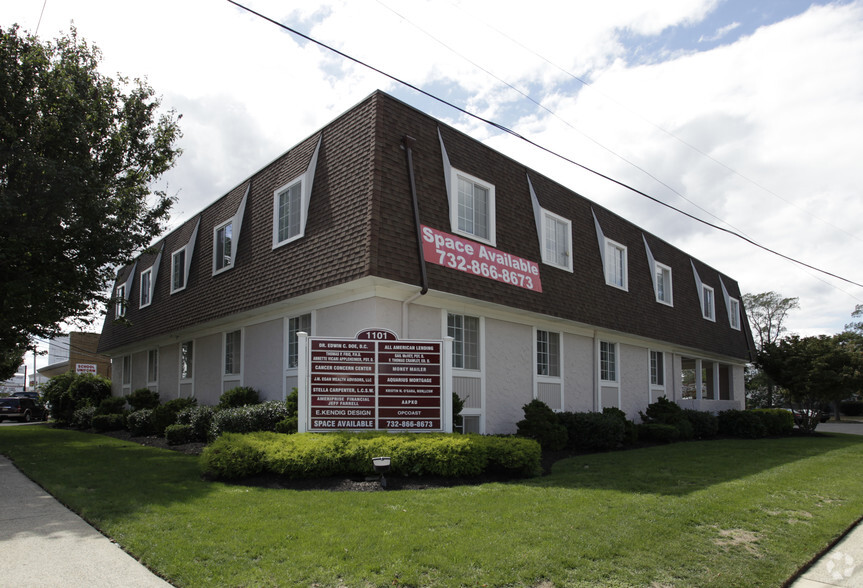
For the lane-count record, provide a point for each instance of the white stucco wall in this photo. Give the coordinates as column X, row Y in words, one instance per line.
column 263, row 358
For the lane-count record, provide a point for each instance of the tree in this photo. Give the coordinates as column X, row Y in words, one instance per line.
column 856, row 326
column 816, row 369
column 766, row 313
column 78, row 152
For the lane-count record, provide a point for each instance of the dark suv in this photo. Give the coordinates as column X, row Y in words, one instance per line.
column 22, row 409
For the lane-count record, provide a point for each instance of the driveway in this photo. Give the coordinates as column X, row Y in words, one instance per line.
column 850, row 427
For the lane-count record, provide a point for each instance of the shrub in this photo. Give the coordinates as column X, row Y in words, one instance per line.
column 140, row 422
column 287, row 426
column 593, row 431
column 165, row 414
column 179, row 434
column 317, row 455
column 239, row 396
column 82, row 418
column 68, row 392
column 662, row 411
column 111, row 405
column 109, row 422
column 705, row 425
column 143, row 398
column 542, row 424
column 851, row 407
column 247, row 419
column 659, row 432
column 776, row 421
column 630, row 431
column 457, row 406
column 199, row 418
column 666, row 412
column 233, row 456
column 741, row 423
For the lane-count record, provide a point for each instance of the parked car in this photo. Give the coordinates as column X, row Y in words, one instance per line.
column 33, row 395
column 22, row 409
column 801, row 413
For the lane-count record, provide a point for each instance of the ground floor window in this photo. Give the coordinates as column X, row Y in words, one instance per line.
column 607, row 361
column 233, row 352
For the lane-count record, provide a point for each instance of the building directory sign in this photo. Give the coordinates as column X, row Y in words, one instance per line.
column 373, row 382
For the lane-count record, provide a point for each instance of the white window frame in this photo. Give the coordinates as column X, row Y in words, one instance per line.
column 153, row 367
column 708, row 303
column 734, row 313
column 148, row 282
column 174, row 264
column 120, row 301
column 126, row 381
column 461, row 355
column 663, row 270
column 236, row 359
column 616, row 362
column 454, row 216
column 543, row 370
column 548, row 257
column 277, row 194
column 612, row 248
column 230, row 263
column 185, row 379
column 290, row 339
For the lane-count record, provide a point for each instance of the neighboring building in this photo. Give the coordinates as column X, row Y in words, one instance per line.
column 546, row 294
column 76, row 352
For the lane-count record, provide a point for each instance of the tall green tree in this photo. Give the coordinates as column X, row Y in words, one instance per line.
column 78, row 154
column 857, row 325
column 766, row 312
column 816, row 370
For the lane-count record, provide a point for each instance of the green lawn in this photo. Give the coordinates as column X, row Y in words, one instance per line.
column 717, row 513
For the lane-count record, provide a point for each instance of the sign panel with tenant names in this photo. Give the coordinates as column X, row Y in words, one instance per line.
column 373, row 382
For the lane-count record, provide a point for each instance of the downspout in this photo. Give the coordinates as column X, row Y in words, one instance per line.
column 408, row 143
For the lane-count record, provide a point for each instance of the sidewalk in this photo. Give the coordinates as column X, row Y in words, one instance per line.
column 45, row 544
column 842, row 565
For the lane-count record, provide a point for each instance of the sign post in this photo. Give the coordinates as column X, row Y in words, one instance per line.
column 374, row 382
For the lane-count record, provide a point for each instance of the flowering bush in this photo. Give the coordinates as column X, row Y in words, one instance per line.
column 140, row 422
column 247, row 419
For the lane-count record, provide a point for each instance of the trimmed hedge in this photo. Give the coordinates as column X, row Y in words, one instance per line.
column 82, row 418
column 140, row 422
column 237, row 397
column 179, row 434
column 593, row 431
column 112, row 405
column 659, row 432
column 143, row 398
column 541, row 423
column 741, row 423
column 199, row 418
column 310, row 455
column 165, row 414
column 705, row 425
column 776, row 421
column 109, row 422
column 248, row 419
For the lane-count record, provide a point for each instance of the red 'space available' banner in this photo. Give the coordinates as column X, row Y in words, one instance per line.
column 480, row 260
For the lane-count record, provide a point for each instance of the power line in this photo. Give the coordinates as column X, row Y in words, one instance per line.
column 509, row 131
column 662, row 129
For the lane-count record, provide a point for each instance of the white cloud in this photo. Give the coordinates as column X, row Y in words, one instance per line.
column 782, row 106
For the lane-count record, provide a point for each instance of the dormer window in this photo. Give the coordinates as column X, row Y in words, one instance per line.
column 473, row 215
column 224, row 249
column 178, row 270
column 708, row 307
column 615, row 265
column 557, row 241
column 288, row 213
column 146, row 287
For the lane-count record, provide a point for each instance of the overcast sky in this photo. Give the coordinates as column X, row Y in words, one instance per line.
column 746, row 114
